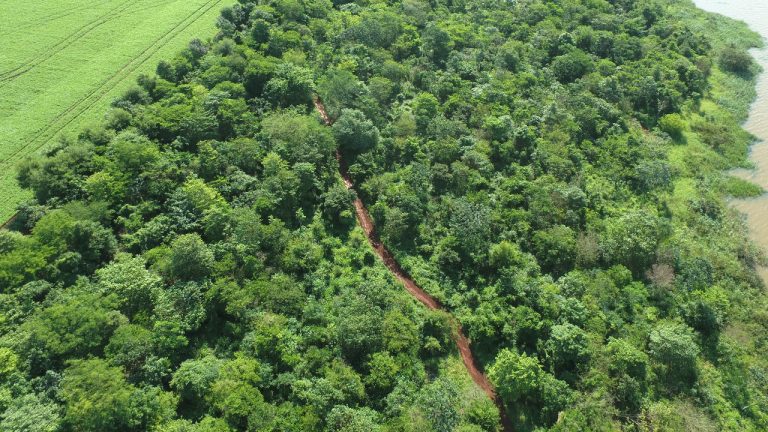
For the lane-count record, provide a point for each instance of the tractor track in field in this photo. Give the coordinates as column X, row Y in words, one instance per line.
column 462, row 342
column 43, row 135
column 122, row 10
column 82, row 31
column 52, row 17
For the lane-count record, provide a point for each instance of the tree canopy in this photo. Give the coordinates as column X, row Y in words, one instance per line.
column 551, row 171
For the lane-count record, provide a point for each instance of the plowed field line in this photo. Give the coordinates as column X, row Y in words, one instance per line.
column 20, row 70
column 52, row 17
column 43, row 135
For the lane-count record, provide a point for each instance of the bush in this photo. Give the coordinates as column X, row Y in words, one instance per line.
column 736, row 60
column 740, row 188
column 572, row 66
column 672, row 124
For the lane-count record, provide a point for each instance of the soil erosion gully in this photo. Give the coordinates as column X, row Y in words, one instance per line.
column 462, row 343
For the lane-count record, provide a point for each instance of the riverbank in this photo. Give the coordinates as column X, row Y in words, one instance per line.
column 755, row 209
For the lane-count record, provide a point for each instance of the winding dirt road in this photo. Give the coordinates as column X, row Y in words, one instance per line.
column 462, row 343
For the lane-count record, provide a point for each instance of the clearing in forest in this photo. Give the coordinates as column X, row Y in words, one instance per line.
column 64, row 61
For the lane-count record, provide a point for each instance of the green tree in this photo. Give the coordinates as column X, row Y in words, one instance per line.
column 567, row 349
column 628, row 368
column 483, row 413
column 399, row 332
column 516, row 376
column 425, row 109
column 29, row 413
column 382, row 374
column 236, row 396
column 346, row 381
column 258, row 73
column 9, row 361
column 632, row 239
column 97, row 397
column 438, row 403
column 190, row 258
column 707, row 311
column 58, row 175
column 520, row 379
column 168, row 338
column 354, row 132
column 625, row 359
column 291, row 85
column 131, row 282
column 193, row 381
column 184, row 302
column 345, row 419
column 22, row 259
column 337, row 203
column 673, row 347
column 339, row 89
column 129, row 347
column 358, row 328
column 555, row 249
column 572, row 66
column 436, row 44
column 94, row 244
column 206, row 424
column 74, row 327
column 280, row 294
column 299, row 138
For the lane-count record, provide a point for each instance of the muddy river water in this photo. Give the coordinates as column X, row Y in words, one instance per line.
column 755, row 14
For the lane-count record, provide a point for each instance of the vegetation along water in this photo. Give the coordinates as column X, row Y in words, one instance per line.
column 400, row 216
column 755, row 14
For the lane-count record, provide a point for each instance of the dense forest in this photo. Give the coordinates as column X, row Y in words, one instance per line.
column 551, row 171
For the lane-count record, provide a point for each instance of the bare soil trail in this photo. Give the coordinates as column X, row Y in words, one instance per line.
column 461, row 340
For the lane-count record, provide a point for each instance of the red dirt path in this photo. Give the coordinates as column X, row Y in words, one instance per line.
column 462, row 343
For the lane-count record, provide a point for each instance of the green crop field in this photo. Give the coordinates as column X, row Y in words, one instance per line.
column 63, row 61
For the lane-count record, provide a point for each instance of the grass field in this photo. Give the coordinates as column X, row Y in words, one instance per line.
column 62, row 62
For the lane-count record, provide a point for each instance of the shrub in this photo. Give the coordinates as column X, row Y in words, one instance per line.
column 736, row 60
column 672, row 124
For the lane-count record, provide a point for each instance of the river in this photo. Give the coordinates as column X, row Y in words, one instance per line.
column 755, row 14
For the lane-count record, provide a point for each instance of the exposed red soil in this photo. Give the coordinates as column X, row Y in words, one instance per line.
column 461, row 340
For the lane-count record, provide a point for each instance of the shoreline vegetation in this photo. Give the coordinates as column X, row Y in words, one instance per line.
column 552, row 173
